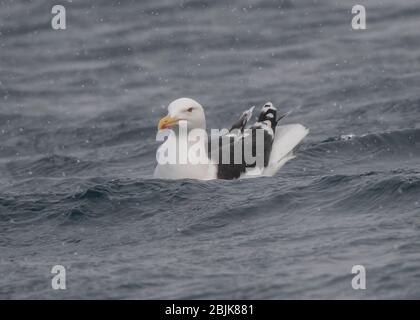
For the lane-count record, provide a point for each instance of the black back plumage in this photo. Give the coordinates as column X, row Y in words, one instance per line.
column 267, row 121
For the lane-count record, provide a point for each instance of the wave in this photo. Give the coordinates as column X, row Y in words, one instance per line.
column 49, row 166
column 402, row 144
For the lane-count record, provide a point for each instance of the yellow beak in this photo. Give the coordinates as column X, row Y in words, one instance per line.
column 167, row 122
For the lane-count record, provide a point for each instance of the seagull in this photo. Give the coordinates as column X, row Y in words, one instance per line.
column 217, row 157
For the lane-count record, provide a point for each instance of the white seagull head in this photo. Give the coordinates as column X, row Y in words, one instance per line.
column 184, row 109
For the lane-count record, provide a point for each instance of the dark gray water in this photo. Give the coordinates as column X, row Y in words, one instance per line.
column 78, row 115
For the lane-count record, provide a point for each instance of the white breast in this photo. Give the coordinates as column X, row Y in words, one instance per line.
column 179, row 169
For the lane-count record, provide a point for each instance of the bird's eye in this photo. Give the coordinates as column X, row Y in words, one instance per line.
column 190, row 109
